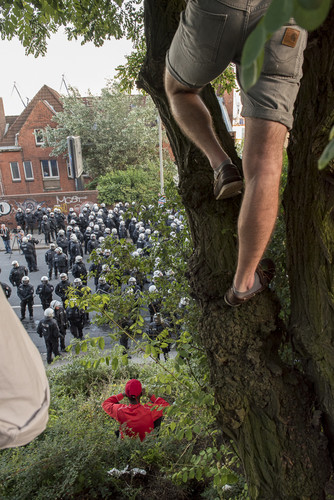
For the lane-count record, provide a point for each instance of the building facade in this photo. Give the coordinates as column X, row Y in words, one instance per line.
column 25, row 164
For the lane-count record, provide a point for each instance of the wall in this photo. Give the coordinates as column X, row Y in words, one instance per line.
column 64, row 201
column 39, row 118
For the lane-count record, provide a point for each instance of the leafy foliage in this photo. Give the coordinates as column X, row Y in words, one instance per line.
column 93, row 20
column 328, row 153
column 134, row 183
column 116, row 130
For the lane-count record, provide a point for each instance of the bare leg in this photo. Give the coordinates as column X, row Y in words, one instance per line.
column 194, row 119
column 262, row 165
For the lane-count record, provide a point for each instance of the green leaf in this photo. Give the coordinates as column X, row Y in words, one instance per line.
column 148, row 349
column 311, row 19
column 254, row 45
column 77, row 348
column 172, row 426
column 189, row 434
column 278, row 14
column 199, row 474
column 101, row 343
column 331, row 134
column 327, row 155
column 185, row 476
column 114, row 363
column 310, row 4
column 250, row 74
column 84, row 346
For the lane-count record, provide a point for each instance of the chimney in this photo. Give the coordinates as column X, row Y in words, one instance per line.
column 2, row 119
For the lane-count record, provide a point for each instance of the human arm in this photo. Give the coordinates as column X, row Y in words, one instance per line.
column 111, row 405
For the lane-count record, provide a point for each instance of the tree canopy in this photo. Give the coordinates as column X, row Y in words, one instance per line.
column 116, row 130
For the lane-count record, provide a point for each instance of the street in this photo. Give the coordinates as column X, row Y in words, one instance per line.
column 35, row 280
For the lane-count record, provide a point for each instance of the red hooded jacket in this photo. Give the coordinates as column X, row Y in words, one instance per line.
column 135, row 420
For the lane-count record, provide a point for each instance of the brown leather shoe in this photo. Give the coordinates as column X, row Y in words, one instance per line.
column 228, row 182
column 265, row 271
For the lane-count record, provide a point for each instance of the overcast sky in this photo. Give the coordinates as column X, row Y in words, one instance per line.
column 84, row 66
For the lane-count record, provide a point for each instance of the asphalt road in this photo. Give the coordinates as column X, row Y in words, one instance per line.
column 35, row 280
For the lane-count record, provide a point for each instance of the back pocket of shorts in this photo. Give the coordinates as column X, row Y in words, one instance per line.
column 284, row 52
column 201, row 33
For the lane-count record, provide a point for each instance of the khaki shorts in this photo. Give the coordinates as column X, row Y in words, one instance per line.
column 212, row 33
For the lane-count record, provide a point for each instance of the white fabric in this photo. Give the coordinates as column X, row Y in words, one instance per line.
column 24, row 388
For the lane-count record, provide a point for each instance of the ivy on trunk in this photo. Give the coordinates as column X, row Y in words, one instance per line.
column 268, row 408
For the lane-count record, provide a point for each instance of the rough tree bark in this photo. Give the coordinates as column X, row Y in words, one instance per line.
column 266, row 406
column 309, row 202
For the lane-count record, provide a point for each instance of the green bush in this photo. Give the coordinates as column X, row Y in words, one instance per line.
column 72, row 457
column 136, row 183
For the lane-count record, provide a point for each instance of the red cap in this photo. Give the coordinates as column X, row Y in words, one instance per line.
column 133, row 388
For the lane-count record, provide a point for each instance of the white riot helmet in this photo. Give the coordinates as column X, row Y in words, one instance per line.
column 25, row 279
column 44, row 279
column 152, row 289
column 55, row 303
column 49, row 313
column 78, row 258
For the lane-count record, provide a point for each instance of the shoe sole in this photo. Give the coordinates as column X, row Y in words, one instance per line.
column 230, row 190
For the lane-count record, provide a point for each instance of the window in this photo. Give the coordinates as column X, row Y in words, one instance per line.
column 15, row 169
column 28, row 172
column 69, row 170
column 39, row 137
column 49, row 169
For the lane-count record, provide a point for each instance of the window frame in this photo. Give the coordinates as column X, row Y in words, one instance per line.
column 32, row 178
column 37, row 132
column 18, row 169
column 46, row 177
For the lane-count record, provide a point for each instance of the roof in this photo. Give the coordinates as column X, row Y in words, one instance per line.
column 46, row 94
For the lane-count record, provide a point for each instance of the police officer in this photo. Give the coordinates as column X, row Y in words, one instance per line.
column 61, row 318
column 38, row 215
column 62, row 241
column 102, row 286
column 48, row 329
column 61, row 263
column 28, row 252
column 76, row 318
column 92, row 243
column 46, row 228
column 20, row 218
column 44, row 291
column 16, row 274
column 6, row 289
column 50, row 260
column 53, row 226
column 74, row 249
column 26, row 294
column 62, row 287
column 79, row 269
column 29, row 221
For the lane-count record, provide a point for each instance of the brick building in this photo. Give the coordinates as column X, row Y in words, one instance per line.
column 25, row 165
column 28, row 175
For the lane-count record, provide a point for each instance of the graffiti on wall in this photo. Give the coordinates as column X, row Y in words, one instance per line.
column 74, row 201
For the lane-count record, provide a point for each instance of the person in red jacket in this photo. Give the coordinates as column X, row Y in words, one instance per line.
column 135, row 419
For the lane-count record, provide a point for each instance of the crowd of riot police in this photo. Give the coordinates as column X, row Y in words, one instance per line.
column 93, row 232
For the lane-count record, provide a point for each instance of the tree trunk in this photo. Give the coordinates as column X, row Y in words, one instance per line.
column 266, row 406
column 309, row 202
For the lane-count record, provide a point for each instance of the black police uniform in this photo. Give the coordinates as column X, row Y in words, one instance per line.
column 26, row 295
column 48, row 329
